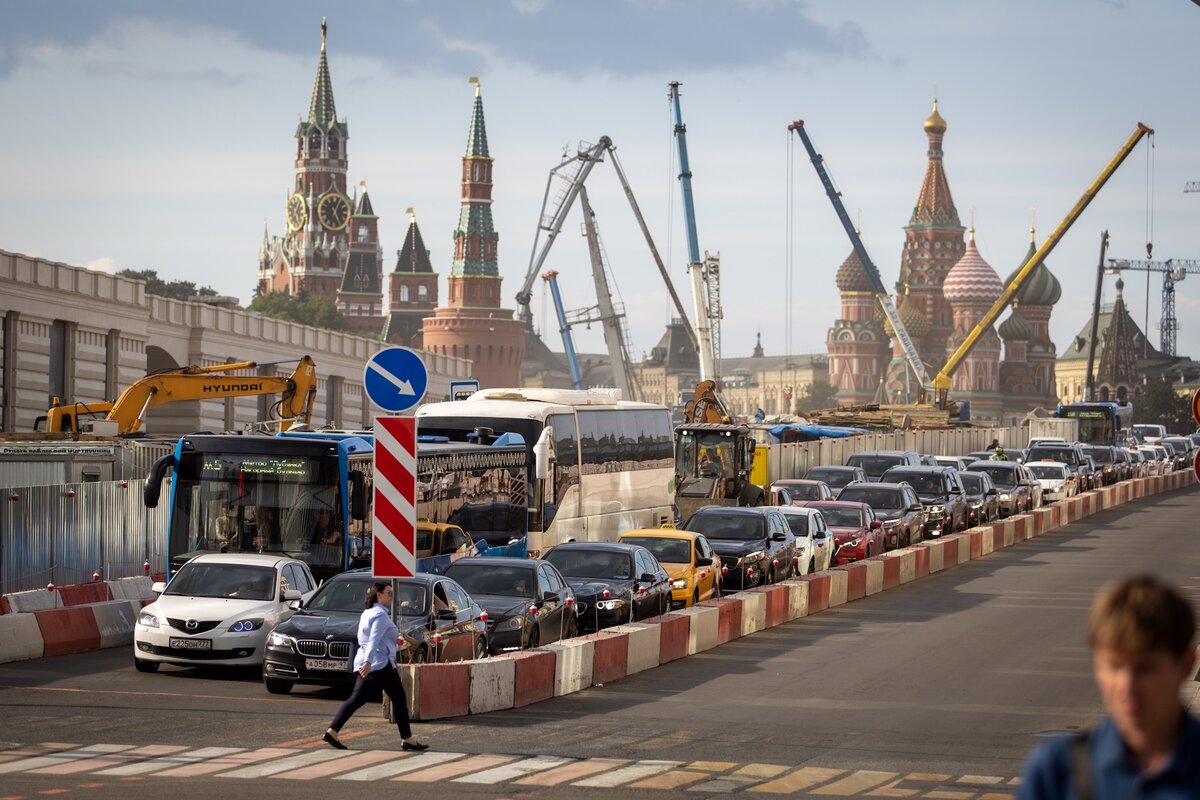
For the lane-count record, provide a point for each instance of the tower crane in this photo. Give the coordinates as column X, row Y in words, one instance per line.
column 1173, row 270
column 881, row 292
column 706, row 273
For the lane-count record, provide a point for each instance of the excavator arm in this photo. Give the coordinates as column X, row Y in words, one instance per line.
column 298, row 391
column 706, row 406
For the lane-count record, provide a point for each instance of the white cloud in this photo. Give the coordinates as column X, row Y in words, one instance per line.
column 104, row 264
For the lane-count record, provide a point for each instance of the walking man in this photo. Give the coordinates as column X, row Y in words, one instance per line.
column 1142, row 637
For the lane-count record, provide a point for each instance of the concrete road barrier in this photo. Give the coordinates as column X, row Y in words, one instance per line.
column 752, row 614
column 573, row 664
column 674, row 634
column 891, row 571
column 703, row 622
column 856, row 580
column 491, row 681
column 610, row 655
column 837, row 588
column 20, row 638
column 642, row 646
column 441, row 690
column 729, row 617
column 874, row 575
column 33, row 600
column 797, row 599
column 921, row 562
column 908, row 564
column 533, row 676
column 818, row 591
column 950, row 545
column 80, row 594
column 935, row 555
column 68, row 630
column 137, row 588
column 115, row 620
column 775, row 605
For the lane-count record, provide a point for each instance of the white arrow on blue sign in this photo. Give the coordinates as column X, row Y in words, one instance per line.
column 395, row 379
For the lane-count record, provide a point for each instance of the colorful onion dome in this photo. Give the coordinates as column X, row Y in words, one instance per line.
column 935, row 123
column 972, row 280
column 852, row 276
column 914, row 321
column 1016, row 328
column 1041, row 288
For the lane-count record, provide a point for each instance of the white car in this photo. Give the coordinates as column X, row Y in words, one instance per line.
column 1056, row 479
column 218, row 609
column 1156, row 457
column 814, row 542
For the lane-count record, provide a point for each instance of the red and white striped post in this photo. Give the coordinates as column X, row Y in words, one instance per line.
column 394, row 511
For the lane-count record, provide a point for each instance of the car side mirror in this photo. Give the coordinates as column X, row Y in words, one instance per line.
column 876, row 524
column 992, row 491
column 779, row 537
column 158, row 587
column 821, row 534
column 446, row 614
column 549, row 595
column 704, row 562
column 648, row 577
column 916, row 507
column 955, row 490
column 294, row 605
column 291, row 594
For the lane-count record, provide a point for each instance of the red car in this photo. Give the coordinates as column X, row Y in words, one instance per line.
column 856, row 531
column 802, row 492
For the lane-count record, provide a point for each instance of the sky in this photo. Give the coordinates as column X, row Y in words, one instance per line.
column 159, row 135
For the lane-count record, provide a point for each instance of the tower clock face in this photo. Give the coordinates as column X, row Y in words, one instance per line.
column 297, row 211
column 334, row 211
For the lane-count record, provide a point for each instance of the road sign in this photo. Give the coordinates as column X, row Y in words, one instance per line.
column 394, row 511
column 461, row 390
column 395, row 379
column 1196, row 407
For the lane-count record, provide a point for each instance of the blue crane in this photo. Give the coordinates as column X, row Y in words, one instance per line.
column 564, row 328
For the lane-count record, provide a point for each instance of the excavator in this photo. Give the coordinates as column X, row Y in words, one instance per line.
column 124, row 417
column 714, row 456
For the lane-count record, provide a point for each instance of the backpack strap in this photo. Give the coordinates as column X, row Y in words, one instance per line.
column 1081, row 766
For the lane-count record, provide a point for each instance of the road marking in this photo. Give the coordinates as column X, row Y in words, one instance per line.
column 517, row 770
column 58, row 758
column 800, row 779
column 453, row 770
column 112, row 759
column 945, row 795
column 633, row 772
column 671, row 780
column 570, row 772
column 987, row 780
column 405, row 763
column 364, row 758
column 155, row 764
column 712, row 766
column 856, row 783
column 230, row 761
column 283, row 764
column 314, row 741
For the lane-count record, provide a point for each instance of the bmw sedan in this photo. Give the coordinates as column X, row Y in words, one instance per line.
column 218, row 609
column 613, row 582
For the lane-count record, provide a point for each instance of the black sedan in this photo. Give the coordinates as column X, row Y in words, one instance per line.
column 613, row 583
column 756, row 545
column 527, row 601
column 438, row 621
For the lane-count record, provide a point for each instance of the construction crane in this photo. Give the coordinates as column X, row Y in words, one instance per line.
column 1173, row 270
column 945, row 377
column 881, row 292
column 705, row 273
column 564, row 328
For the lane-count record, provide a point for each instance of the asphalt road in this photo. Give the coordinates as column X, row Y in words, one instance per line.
column 942, row 685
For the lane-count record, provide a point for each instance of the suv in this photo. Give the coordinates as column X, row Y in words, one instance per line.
column 756, row 545
column 1107, row 468
column 835, row 477
column 1069, row 454
column 896, row 505
column 940, row 492
column 1012, row 481
column 983, row 501
column 877, row 462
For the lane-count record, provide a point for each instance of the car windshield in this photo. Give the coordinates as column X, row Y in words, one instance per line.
column 1001, row 476
column 972, row 483
column 798, row 523
column 843, row 517
column 493, row 579
column 1066, row 455
column 874, row 466
column 920, row 482
column 833, row 478
column 667, row 551
column 803, row 491
column 1045, row 471
column 346, row 596
column 741, row 527
column 218, row 579
column 1102, row 455
column 602, row 564
column 878, row 499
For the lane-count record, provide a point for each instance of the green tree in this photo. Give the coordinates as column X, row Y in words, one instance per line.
column 177, row 290
column 816, row 395
column 303, row 308
column 1160, row 405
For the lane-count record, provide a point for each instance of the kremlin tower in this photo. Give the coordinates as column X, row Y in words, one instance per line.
column 473, row 325
column 971, row 288
column 412, row 290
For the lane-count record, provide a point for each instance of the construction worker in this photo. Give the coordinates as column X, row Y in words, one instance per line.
column 709, row 465
column 998, row 454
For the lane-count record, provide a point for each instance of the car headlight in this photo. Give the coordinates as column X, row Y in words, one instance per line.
column 609, row 605
column 679, row 583
column 149, row 620
column 1006, row 496
column 246, row 625
column 510, row 624
column 755, row 556
column 935, row 510
column 281, row 640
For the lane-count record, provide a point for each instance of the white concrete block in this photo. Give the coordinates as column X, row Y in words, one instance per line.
column 754, row 611
column 644, row 646
column 492, row 684
column 837, row 587
column 572, row 665
column 702, row 627
column 20, row 638
column 115, row 620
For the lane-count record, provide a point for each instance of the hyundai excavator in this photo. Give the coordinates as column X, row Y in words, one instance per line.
column 125, row 416
column 714, row 456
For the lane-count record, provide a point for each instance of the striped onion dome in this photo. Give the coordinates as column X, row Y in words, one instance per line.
column 852, row 275
column 1016, row 328
column 1041, row 288
column 972, row 280
column 914, row 321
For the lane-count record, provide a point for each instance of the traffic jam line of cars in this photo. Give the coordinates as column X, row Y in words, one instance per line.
column 266, row 610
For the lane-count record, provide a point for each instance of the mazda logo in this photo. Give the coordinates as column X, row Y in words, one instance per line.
column 191, row 624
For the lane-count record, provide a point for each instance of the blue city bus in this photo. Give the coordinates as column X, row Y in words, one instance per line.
column 1103, row 423
column 309, row 496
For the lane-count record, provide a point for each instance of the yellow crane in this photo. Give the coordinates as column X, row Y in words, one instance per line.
column 944, row 379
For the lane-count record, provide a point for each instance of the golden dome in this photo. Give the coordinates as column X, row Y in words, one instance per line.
column 935, row 123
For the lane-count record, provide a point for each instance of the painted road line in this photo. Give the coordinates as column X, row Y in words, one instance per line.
column 802, row 778
column 454, row 769
column 517, row 770
column 570, row 772
column 110, row 760
column 231, row 761
column 986, row 780
column 942, row 794
column 361, row 758
column 405, row 763
column 674, row 779
column 55, row 759
column 282, row 765
column 751, row 773
column 166, row 762
column 633, row 772
column 907, row 786
column 857, row 783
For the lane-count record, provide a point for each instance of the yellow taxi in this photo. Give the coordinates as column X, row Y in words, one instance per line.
column 440, row 539
column 687, row 557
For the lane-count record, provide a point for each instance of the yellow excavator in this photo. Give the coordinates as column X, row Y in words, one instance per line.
column 298, row 392
column 714, row 456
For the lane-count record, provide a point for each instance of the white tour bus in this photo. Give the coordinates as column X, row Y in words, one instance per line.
column 600, row 465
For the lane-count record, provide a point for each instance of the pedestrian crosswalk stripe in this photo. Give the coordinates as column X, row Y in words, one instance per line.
column 571, row 772
column 166, row 762
column 353, row 760
column 403, row 763
column 54, row 759
column 297, row 761
column 855, row 783
column 619, row 777
column 231, row 761
column 802, row 778
column 109, row 760
column 455, row 768
column 517, row 770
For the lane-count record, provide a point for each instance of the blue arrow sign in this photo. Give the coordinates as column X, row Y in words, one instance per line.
column 395, row 379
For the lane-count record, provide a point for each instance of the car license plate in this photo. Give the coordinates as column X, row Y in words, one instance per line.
column 190, row 644
column 326, row 664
